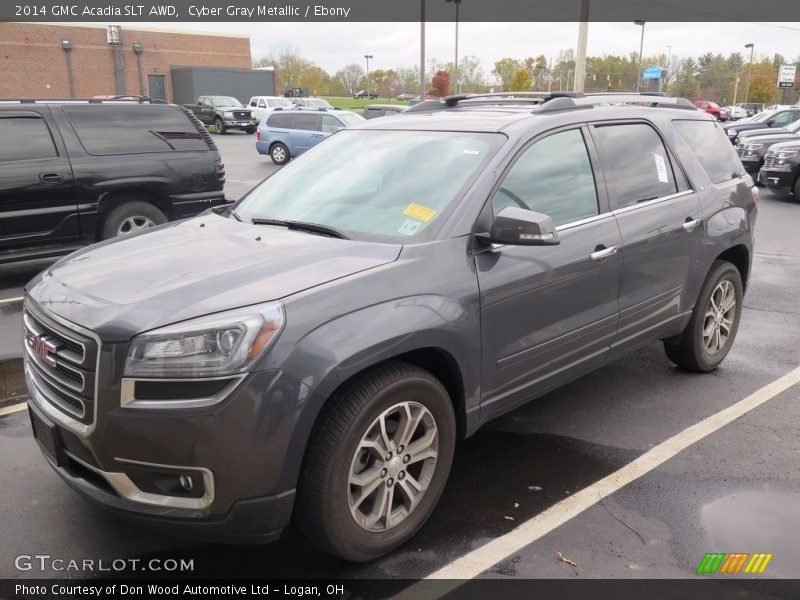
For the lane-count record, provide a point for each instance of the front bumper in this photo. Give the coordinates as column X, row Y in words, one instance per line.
column 236, row 455
column 238, row 124
column 752, row 163
column 773, row 178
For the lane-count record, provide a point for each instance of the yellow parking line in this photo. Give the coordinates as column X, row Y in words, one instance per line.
column 13, row 408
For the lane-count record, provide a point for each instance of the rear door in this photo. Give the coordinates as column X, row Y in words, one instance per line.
column 660, row 219
column 549, row 313
column 307, row 132
column 37, row 192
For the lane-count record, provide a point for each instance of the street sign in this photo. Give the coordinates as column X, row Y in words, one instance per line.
column 653, row 72
column 787, row 75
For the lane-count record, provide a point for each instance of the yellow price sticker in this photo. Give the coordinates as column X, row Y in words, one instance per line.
column 419, row 212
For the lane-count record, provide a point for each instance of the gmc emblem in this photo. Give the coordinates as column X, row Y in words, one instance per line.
column 41, row 346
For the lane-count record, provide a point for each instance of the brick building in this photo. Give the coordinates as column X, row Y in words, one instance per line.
column 62, row 61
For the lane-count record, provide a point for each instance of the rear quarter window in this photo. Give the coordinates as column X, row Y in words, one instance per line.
column 106, row 130
column 712, row 149
column 280, row 121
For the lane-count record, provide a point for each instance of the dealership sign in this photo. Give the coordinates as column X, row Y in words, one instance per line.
column 787, row 76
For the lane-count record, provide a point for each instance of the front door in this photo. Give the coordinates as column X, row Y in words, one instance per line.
column 37, row 192
column 549, row 313
column 661, row 223
column 156, row 86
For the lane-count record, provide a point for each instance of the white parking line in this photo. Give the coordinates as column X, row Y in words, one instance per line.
column 13, row 408
column 10, row 300
column 479, row 560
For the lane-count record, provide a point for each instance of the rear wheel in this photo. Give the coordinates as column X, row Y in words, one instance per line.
column 219, row 125
column 130, row 218
column 708, row 337
column 279, row 154
column 377, row 463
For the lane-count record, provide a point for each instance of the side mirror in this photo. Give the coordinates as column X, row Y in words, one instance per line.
column 519, row 227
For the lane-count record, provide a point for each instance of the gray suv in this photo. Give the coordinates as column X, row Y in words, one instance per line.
column 313, row 353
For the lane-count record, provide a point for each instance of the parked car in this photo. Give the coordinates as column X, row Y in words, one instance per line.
column 261, row 106
column 76, row 172
column 365, row 94
column 224, row 113
column 781, row 170
column 752, row 108
column 779, row 118
column 311, row 103
column 405, row 96
column 752, row 146
column 314, row 352
column 736, row 113
column 373, row 111
column 287, row 134
column 713, row 109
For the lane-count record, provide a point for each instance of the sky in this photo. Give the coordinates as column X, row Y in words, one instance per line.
column 334, row 45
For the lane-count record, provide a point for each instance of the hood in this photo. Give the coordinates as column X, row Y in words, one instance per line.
column 232, row 108
column 766, row 131
column 793, row 145
column 192, row 268
column 768, row 136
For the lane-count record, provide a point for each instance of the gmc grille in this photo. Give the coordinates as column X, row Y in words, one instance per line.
column 62, row 365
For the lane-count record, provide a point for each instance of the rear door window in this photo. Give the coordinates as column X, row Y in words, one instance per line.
column 308, row 122
column 25, row 138
column 712, row 149
column 107, row 129
column 280, row 121
column 636, row 163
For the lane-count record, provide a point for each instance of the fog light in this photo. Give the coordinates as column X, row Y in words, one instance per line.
column 186, row 482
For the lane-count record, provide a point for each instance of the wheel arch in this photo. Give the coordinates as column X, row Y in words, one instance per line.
column 738, row 256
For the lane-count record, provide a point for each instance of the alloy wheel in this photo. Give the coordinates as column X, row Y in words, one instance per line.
column 134, row 224
column 719, row 317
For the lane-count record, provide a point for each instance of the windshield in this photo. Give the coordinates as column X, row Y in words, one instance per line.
column 762, row 116
column 382, row 186
column 349, row 118
column 224, row 101
column 279, row 102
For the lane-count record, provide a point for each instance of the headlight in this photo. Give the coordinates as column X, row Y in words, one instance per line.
column 753, row 146
column 222, row 344
column 786, row 154
column 227, row 114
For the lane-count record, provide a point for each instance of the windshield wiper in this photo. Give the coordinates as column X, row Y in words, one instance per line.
column 302, row 226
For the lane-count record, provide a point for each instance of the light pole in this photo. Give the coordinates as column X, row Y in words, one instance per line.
column 669, row 60
column 580, row 57
column 368, row 56
column 641, row 49
column 455, row 63
column 422, row 49
column 749, row 72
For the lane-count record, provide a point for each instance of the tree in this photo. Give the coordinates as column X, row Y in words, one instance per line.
column 349, row 77
column 504, row 69
column 471, row 72
column 521, row 82
column 441, row 83
column 409, row 79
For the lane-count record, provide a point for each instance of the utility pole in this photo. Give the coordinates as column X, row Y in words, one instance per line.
column 455, row 62
column 422, row 50
column 641, row 50
column 749, row 72
column 368, row 56
column 580, row 58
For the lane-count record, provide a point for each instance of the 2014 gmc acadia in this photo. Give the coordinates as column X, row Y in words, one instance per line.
column 313, row 353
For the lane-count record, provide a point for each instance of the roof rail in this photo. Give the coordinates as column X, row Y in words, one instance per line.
column 123, row 100
column 489, row 98
column 590, row 100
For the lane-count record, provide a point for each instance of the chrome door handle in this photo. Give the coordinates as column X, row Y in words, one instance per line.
column 691, row 225
column 601, row 255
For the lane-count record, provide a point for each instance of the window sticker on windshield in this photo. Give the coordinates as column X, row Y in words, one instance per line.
column 409, row 228
column 419, row 212
column 661, row 168
column 472, row 152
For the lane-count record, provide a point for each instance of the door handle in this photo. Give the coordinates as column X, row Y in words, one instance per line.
column 691, row 224
column 602, row 253
column 50, row 178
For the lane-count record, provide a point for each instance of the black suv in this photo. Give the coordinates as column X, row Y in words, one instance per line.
column 314, row 352
column 75, row 172
column 781, row 170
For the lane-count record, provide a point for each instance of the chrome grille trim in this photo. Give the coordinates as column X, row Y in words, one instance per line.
column 43, row 398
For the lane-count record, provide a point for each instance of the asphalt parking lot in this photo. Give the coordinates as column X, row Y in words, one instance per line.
column 507, row 504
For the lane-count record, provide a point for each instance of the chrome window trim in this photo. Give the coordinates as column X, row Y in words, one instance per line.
column 123, row 485
column 639, row 205
column 128, row 399
column 585, row 221
column 43, row 403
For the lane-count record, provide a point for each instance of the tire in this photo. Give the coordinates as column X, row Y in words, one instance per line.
column 796, row 189
column 692, row 351
column 219, row 124
column 279, row 154
column 336, row 457
column 130, row 218
column 250, row 130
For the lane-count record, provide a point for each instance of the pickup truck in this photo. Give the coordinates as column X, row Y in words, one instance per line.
column 224, row 113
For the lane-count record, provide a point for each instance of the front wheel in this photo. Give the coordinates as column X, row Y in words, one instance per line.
column 377, row 463
column 796, row 189
column 708, row 337
column 250, row 130
column 219, row 125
